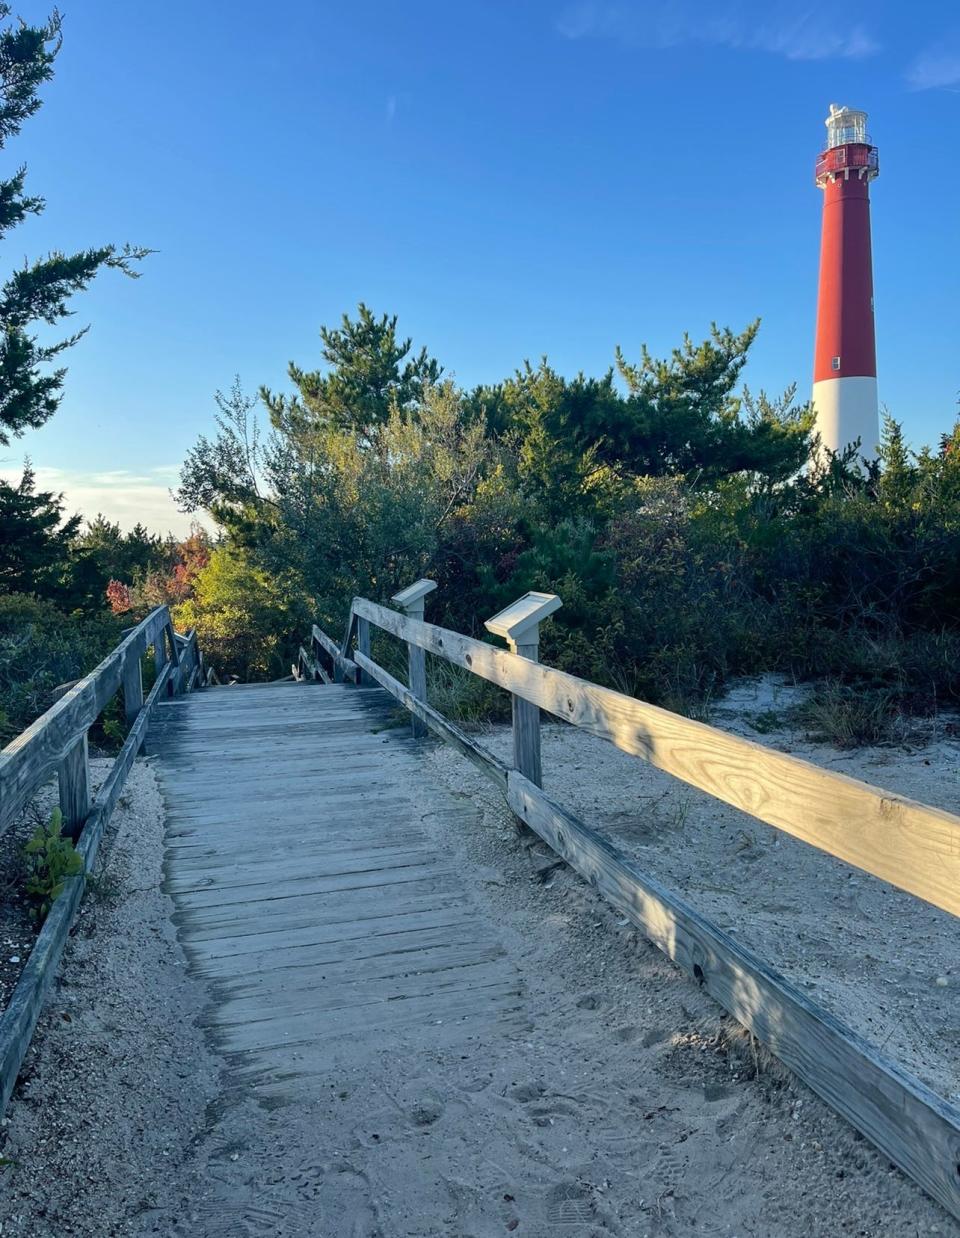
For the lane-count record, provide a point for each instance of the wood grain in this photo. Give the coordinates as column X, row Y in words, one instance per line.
column 132, row 684
column 526, row 727
column 74, row 778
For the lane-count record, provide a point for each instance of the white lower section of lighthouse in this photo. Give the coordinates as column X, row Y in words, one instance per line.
column 846, row 410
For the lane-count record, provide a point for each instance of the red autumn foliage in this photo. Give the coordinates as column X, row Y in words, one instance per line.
column 118, row 595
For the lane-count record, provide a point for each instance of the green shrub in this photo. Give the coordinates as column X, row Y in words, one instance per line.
column 837, row 713
column 463, row 697
column 50, row 860
column 41, row 647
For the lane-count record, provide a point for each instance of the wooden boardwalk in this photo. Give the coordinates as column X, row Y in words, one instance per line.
column 308, row 890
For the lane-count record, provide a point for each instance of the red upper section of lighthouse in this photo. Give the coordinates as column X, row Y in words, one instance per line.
column 855, row 158
column 845, row 345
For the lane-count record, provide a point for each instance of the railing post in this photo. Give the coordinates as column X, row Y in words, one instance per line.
column 177, row 657
column 412, row 601
column 160, row 656
column 363, row 645
column 74, row 779
column 519, row 625
column 132, row 687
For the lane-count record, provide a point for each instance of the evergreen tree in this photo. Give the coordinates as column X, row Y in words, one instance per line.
column 34, row 545
column 38, row 291
column 102, row 552
column 370, row 370
column 684, row 418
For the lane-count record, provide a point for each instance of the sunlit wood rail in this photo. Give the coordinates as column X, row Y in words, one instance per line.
column 56, row 744
column 908, row 844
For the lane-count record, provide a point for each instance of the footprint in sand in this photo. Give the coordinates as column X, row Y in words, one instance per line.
column 570, row 1203
column 524, row 1093
column 426, row 1113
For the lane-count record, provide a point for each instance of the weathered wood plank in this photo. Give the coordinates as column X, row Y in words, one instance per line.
column 526, row 726
column 915, row 1128
column 909, row 844
column 330, row 915
column 278, row 870
column 477, row 1003
column 363, row 647
column 343, row 666
column 313, row 911
column 309, row 948
column 74, row 779
column 410, row 925
column 265, row 995
column 178, row 678
column 424, row 877
column 494, row 768
column 417, row 675
column 132, row 684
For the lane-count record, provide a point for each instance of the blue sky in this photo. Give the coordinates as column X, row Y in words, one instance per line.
column 512, row 179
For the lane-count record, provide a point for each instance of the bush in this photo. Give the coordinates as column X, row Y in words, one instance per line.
column 41, row 647
column 248, row 621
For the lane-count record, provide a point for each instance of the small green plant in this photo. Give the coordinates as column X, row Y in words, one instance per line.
column 849, row 716
column 766, row 721
column 51, row 859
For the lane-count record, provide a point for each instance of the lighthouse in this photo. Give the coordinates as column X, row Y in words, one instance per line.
column 845, row 357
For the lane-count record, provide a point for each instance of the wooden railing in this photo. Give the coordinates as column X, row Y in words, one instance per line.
column 908, row 844
column 57, row 744
column 57, row 741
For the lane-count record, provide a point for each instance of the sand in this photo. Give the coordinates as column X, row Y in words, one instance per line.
column 629, row 1105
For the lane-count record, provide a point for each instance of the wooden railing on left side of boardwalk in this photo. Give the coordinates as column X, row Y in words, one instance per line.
column 57, row 744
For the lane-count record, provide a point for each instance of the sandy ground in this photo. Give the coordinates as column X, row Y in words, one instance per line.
column 629, row 1105
column 884, row 961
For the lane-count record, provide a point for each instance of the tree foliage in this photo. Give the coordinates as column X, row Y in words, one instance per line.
column 39, row 291
column 690, row 526
column 35, row 541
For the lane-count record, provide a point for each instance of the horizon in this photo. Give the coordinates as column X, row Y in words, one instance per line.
column 591, row 174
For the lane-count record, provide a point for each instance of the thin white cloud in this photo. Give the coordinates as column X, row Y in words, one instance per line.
column 813, row 33
column 937, row 67
column 121, row 495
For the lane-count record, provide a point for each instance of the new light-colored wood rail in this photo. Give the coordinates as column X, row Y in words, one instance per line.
column 57, row 744
column 908, row 844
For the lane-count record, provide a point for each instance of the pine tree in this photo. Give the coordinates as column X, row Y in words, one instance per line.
column 34, row 545
column 39, row 291
column 370, row 370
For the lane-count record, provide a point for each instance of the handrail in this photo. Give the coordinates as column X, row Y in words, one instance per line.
column 56, row 741
column 907, row 843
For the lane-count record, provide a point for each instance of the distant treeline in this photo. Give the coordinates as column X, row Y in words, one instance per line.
column 678, row 516
column 686, row 524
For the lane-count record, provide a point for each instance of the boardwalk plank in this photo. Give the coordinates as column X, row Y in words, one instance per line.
column 306, row 888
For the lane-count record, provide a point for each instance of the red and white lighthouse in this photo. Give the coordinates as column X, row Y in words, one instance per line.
column 845, row 360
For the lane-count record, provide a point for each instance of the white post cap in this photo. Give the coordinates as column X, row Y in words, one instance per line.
column 413, row 593
column 519, row 622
